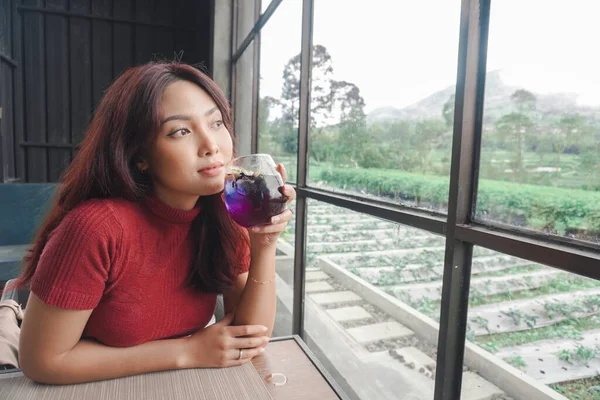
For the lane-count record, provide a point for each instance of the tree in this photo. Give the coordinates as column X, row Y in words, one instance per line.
column 524, row 100
column 513, row 129
column 348, row 102
column 448, row 111
column 572, row 130
column 321, row 94
column 290, row 138
column 426, row 137
column 323, row 144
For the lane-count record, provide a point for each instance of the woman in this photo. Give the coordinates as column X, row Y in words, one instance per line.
column 125, row 270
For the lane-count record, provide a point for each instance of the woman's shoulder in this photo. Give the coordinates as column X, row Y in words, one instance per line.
column 102, row 212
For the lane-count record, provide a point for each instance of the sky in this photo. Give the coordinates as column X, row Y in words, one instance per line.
column 399, row 52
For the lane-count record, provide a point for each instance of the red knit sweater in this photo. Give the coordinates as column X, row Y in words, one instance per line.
column 128, row 262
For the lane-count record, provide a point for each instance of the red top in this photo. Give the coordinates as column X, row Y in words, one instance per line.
column 128, row 262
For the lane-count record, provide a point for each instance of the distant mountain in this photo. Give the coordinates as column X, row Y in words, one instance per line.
column 497, row 103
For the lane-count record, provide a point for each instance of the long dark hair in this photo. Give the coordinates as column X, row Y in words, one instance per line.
column 122, row 129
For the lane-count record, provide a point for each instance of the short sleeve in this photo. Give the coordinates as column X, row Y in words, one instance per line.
column 75, row 263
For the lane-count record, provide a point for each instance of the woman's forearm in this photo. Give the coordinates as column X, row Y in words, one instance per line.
column 93, row 361
column 258, row 301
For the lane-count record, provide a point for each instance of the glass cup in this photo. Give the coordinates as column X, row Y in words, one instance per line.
column 253, row 190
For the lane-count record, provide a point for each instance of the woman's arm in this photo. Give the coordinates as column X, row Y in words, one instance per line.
column 50, row 349
column 257, row 301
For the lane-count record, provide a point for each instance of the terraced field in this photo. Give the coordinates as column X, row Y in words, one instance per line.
column 540, row 320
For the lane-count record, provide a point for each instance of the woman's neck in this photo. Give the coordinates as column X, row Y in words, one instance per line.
column 178, row 201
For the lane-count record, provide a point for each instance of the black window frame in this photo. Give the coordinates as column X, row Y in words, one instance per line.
column 459, row 226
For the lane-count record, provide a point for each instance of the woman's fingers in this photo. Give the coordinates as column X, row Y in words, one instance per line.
column 289, row 192
column 282, row 171
column 248, row 343
column 247, row 355
column 246, row 330
column 267, row 229
column 283, row 217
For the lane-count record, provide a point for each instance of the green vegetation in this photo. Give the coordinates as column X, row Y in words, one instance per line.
column 540, row 168
column 569, row 329
column 563, row 284
column 580, row 355
column 517, row 362
column 537, row 207
column 582, row 389
column 511, row 271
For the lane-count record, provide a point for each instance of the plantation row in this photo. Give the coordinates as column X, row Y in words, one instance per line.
column 553, row 209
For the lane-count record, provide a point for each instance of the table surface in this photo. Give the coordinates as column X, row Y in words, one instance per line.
column 306, row 378
column 288, row 356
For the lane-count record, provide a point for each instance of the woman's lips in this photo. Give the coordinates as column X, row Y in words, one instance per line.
column 212, row 171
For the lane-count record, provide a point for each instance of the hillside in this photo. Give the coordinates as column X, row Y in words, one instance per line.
column 497, row 103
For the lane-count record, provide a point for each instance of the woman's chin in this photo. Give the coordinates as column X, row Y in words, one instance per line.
column 210, row 190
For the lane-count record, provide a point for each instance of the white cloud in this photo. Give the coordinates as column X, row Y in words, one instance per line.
column 398, row 52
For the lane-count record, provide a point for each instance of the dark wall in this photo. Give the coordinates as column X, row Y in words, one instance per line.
column 60, row 55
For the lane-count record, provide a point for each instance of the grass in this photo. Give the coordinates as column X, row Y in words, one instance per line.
column 570, row 329
column 582, row 389
column 580, row 355
column 511, row 271
column 563, row 284
column 517, row 362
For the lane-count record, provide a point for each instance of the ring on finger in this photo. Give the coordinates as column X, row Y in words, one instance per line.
column 241, row 354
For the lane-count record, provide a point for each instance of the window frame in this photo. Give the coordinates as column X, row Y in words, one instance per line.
column 460, row 227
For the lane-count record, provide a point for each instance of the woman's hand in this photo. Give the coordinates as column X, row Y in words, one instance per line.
column 219, row 345
column 267, row 235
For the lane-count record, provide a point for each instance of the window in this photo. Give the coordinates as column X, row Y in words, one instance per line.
column 385, row 78
column 540, row 158
column 368, row 282
column 541, row 320
column 278, row 101
column 382, row 113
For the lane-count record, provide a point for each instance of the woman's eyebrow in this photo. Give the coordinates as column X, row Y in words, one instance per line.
column 185, row 117
column 211, row 111
column 180, row 117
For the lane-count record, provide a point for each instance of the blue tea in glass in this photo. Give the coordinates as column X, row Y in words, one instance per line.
column 253, row 190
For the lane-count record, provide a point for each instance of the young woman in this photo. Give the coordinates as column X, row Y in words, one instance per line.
column 126, row 268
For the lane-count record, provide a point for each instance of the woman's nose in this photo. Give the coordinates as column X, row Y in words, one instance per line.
column 208, row 145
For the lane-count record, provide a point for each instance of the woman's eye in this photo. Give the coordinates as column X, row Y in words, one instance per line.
column 179, row 132
column 218, row 124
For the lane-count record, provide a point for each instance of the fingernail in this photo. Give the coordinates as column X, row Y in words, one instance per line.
column 262, row 350
column 264, row 329
column 275, row 219
column 255, row 229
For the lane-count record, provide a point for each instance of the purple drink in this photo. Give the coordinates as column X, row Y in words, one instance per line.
column 252, row 199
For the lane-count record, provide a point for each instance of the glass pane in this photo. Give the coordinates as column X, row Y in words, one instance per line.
column 284, row 266
column 363, row 319
column 541, row 320
column 382, row 115
column 242, row 106
column 540, row 161
column 278, row 107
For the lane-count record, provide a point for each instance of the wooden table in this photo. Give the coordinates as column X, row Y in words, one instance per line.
column 285, row 359
column 306, row 377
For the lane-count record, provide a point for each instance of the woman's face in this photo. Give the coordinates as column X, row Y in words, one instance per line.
column 187, row 159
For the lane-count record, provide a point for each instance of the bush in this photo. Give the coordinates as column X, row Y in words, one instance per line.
column 538, row 207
